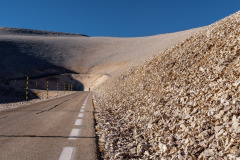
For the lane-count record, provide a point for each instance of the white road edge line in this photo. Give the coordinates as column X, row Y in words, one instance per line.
column 67, row 153
column 74, row 133
column 78, row 122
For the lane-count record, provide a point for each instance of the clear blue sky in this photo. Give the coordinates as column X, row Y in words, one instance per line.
column 116, row 18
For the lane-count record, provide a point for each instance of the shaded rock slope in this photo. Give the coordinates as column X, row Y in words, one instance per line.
column 183, row 104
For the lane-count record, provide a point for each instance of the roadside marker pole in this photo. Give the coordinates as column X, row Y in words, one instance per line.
column 47, row 89
column 27, row 89
column 57, row 87
column 71, row 87
column 64, row 88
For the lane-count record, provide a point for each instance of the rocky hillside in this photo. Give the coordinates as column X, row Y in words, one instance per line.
column 183, row 104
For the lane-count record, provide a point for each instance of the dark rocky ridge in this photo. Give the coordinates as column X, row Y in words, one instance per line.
column 33, row 32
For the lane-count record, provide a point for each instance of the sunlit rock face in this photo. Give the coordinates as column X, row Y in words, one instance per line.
column 183, row 104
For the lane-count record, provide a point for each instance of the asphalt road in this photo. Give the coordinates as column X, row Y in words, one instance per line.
column 58, row 129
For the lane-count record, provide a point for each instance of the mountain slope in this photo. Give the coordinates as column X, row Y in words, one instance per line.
column 183, row 104
column 36, row 53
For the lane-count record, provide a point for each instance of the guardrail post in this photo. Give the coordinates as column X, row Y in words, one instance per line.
column 27, row 89
column 47, row 89
column 57, row 87
column 64, row 88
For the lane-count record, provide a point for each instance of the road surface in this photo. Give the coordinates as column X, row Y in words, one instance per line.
column 58, row 129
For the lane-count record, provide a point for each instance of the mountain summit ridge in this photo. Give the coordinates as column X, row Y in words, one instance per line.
column 34, row 32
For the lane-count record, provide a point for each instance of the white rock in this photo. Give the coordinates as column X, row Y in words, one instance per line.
column 218, row 128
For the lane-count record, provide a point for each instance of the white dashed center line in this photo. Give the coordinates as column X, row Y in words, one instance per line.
column 78, row 122
column 67, row 153
column 74, row 133
column 80, row 115
column 82, row 110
